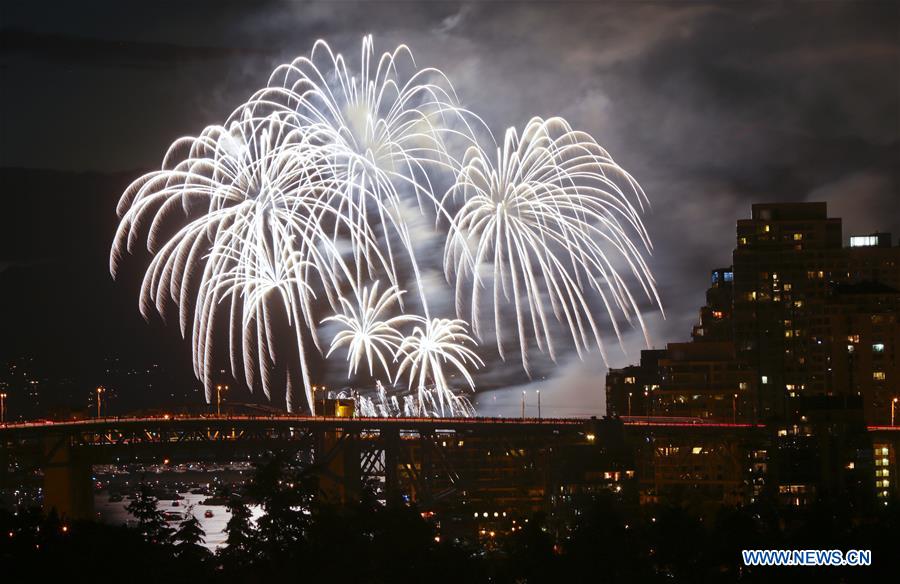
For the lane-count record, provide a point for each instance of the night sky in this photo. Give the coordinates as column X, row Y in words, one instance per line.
column 711, row 106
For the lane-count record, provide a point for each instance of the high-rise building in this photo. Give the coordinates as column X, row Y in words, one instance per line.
column 798, row 315
column 789, row 265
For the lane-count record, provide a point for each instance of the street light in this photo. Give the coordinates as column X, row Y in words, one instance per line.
column 2, row 408
column 100, row 390
column 523, row 404
column 629, row 404
column 893, row 409
column 734, row 409
column 219, row 389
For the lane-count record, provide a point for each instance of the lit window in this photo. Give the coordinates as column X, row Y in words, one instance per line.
column 850, row 348
column 629, row 380
column 788, row 334
column 798, row 237
column 863, row 240
column 743, row 385
column 787, row 287
column 696, row 450
column 729, row 276
column 717, row 314
column 853, row 338
column 742, row 241
column 878, row 375
column 798, row 304
column 878, row 348
column 765, row 379
column 766, row 228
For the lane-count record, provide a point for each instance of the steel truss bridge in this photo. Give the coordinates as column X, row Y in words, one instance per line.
column 457, row 465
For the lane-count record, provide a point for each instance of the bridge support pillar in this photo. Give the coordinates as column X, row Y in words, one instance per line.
column 338, row 456
column 68, row 486
column 391, row 444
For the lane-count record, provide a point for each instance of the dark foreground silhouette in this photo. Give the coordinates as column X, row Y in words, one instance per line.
column 300, row 538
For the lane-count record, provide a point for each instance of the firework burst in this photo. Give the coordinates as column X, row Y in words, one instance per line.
column 305, row 194
column 547, row 219
column 433, row 346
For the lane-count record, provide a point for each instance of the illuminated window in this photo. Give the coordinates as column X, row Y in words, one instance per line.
column 798, row 304
column 863, row 240
column 742, row 241
column 696, row 450
column 717, row 314
column 852, row 338
column 743, row 385
column 788, row 334
column 766, row 228
column 751, row 295
column 798, row 237
column 878, row 375
column 878, row 348
column 629, row 380
column 765, row 379
column 787, row 287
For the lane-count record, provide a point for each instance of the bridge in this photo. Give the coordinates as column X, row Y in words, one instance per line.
column 444, row 463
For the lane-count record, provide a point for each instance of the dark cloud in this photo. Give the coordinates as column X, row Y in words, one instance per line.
column 75, row 50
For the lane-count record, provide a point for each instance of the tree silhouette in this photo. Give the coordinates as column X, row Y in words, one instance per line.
column 151, row 521
column 242, row 537
column 189, row 537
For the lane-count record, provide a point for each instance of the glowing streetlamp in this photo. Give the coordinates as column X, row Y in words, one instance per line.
column 100, row 390
column 629, row 404
column 219, row 390
column 734, row 409
column 893, row 408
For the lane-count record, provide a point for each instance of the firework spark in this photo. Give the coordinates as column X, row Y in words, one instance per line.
column 548, row 219
column 367, row 334
column 434, row 344
column 305, row 193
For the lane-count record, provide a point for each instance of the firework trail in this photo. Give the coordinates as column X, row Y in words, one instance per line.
column 386, row 129
column 434, row 344
column 546, row 217
column 300, row 203
column 367, row 334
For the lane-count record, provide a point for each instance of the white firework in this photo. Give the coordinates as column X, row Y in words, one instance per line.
column 368, row 334
column 306, row 192
column 548, row 219
column 387, row 130
column 433, row 345
column 252, row 194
